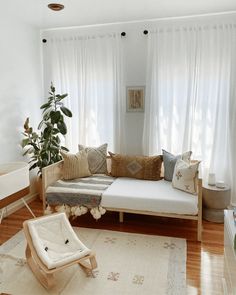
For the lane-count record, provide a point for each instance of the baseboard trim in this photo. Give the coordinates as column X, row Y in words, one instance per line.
column 18, row 204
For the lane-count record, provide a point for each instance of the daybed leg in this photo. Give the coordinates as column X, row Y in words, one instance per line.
column 199, row 229
column 121, row 216
column 199, row 220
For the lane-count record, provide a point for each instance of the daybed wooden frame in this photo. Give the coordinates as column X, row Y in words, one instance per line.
column 52, row 173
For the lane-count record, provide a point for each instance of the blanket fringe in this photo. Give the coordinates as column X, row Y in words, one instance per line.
column 78, row 210
column 75, row 211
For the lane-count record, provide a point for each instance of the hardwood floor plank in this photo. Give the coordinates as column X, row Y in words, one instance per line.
column 205, row 261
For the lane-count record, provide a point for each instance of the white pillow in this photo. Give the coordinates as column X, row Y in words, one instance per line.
column 184, row 177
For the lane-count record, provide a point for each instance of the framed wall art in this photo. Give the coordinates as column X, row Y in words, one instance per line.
column 135, row 98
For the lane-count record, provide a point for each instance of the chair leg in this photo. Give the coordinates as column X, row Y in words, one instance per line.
column 121, row 217
column 88, row 267
column 199, row 230
column 47, row 280
column 93, row 262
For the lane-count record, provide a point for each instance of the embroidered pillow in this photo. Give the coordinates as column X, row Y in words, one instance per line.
column 140, row 167
column 75, row 165
column 97, row 158
column 169, row 161
column 184, row 177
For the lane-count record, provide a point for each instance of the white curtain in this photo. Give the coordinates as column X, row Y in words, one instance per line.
column 89, row 69
column 190, row 101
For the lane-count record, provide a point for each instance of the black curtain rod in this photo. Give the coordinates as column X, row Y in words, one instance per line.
column 145, row 32
column 123, row 34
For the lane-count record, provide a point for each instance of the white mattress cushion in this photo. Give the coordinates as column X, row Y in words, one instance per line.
column 146, row 195
column 55, row 240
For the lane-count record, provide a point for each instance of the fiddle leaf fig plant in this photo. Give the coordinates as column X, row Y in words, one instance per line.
column 44, row 146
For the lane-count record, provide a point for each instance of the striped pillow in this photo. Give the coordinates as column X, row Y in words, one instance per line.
column 75, row 165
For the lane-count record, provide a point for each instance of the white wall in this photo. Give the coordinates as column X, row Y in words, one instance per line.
column 20, row 83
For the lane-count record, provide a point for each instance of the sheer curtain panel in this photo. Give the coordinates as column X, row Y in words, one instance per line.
column 190, row 103
column 89, row 69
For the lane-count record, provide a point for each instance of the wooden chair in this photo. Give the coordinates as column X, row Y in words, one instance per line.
column 43, row 272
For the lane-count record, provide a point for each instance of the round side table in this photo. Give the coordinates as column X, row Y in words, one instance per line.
column 215, row 200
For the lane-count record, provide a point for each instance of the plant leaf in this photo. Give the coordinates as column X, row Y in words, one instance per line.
column 64, row 148
column 26, row 124
column 46, row 116
column 62, row 127
column 45, row 105
column 33, row 166
column 61, row 97
column 55, row 131
column 52, row 88
column 40, row 124
column 66, row 111
column 26, row 152
column 25, row 142
column 55, row 116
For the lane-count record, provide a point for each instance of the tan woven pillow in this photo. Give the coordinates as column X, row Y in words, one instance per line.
column 140, row 167
column 75, row 165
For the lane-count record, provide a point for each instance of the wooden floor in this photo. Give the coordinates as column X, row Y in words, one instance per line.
column 204, row 260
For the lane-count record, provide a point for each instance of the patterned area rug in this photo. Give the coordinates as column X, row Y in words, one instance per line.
column 127, row 264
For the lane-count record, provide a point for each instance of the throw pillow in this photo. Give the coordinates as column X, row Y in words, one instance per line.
column 169, row 161
column 184, row 177
column 97, row 158
column 140, row 167
column 75, row 165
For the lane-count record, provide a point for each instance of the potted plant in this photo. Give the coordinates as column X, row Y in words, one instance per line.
column 44, row 146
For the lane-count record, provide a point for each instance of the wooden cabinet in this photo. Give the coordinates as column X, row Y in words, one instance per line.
column 229, row 281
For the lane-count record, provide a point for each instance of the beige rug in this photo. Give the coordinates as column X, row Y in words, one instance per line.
column 127, row 264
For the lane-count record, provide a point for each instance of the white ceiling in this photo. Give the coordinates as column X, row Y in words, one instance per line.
column 87, row 12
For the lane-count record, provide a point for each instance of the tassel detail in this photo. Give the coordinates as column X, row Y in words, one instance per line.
column 48, row 210
column 64, row 208
column 95, row 213
column 78, row 210
column 102, row 210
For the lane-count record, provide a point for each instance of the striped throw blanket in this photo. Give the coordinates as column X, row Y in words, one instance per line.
column 85, row 191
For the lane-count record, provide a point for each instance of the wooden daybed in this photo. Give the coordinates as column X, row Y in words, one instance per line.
column 52, row 173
